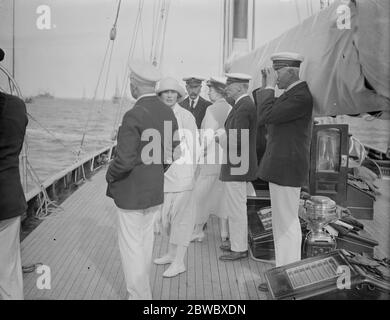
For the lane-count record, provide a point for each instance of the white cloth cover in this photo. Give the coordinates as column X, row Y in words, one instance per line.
column 337, row 61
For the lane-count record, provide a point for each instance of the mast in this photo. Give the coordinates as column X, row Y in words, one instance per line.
column 239, row 28
column 13, row 39
column 157, row 51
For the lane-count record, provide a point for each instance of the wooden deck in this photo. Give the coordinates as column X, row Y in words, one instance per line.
column 80, row 247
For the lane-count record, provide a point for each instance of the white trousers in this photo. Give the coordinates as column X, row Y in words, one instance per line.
column 135, row 238
column 178, row 216
column 11, row 277
column 285, row 223
column 234, row 204
column 207, row 192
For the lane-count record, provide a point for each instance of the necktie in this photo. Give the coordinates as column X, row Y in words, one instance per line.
column 192, row 104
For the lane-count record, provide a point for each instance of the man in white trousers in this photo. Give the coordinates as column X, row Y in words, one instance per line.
column 135, row 181
column 285, row 164
column 239, row 143
column 13, row 123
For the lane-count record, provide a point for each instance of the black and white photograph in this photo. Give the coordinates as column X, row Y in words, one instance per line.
column 208, row 153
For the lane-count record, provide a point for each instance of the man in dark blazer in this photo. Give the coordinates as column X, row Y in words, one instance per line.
column 13, row 123
column 261, row 140
column 285, row 164
column 239, row 143
column 194, row 102
column 136, row 177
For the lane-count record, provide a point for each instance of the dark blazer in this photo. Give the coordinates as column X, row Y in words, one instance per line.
column 199, row 111
column 242, row 116
column 289, row 125
column 133, row 184
column 13, row 123
column 261, row 140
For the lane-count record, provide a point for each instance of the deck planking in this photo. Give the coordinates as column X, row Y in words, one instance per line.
column 79, row 244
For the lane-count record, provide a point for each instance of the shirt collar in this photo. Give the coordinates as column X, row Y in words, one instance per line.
column 294, row 84
column 195, row 101
column 240, row 97
column 220, row 100
column 146, row 95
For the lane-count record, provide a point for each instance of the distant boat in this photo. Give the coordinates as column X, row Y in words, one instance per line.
column 117, row 97
column 29, row 100
column 45, row 95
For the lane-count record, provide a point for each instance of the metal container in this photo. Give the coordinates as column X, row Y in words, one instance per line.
column 320, row 211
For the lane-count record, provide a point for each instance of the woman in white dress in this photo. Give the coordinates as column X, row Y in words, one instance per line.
column 177, row 215
column 208, row 187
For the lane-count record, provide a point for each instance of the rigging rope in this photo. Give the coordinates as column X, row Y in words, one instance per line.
column 110, row 44
column 106, row 82
column 164, row 31
column 156, row 15
column 158, row 46
column 46, row 206
column 93, row 99
column 51, row 133
column 126, row 74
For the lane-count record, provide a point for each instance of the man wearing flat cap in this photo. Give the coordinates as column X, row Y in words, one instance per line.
column 13, row 123
column 137, row 184
column 285, row 164
column 239, row 143
column 194, row 102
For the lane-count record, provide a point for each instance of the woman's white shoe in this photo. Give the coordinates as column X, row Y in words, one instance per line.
column 174, row 270
column 163, row 260
column 198, row 237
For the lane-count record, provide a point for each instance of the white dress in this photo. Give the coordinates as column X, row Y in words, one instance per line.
column 208, row 188
column 177, row 214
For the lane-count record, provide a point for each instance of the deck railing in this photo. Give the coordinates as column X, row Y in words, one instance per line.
column 59, row 186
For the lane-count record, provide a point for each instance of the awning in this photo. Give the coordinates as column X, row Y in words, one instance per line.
column 348, row 70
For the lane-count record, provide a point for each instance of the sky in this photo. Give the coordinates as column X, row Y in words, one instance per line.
column 66, row 59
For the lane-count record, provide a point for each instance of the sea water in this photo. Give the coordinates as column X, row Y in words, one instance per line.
column 56, row 129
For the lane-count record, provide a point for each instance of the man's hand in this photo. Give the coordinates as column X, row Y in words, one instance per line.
column 220, row 137
column 263, row 78
column 270, row 77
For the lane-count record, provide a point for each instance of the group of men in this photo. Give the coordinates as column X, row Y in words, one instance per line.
column 272, row 136
column 276, row 149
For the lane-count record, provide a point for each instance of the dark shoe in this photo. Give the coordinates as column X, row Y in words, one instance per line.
column 263, row 287
column 234, row 256
column 225, row 246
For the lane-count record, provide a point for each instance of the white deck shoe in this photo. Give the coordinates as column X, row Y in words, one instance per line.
column 198, row 237
column 174, row 270
column 163, row 260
